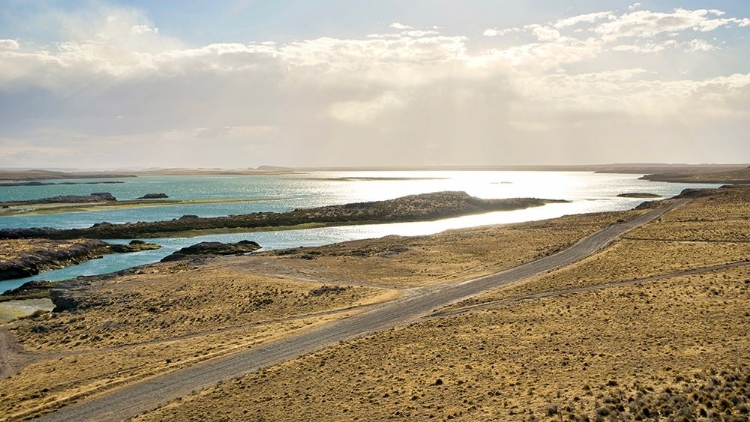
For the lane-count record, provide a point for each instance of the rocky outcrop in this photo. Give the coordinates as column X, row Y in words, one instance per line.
column 33, row 259
column 29, row 289
column 639, row 195
column 213, row 248
column 430, row 206
column 133, row 246
column 14, row 184
column 68, row 199
column 32, row 262
column 154, row 196
column 68, row 298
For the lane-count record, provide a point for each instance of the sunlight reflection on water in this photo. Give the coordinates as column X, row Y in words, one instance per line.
column 588, row 192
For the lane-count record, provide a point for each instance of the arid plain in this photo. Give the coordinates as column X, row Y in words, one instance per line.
column 655, row 324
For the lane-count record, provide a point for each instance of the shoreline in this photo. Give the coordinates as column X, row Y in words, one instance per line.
column 23, row 258
column 667, row 301
column 22, row 207
column 390, row 263
column 423, row 207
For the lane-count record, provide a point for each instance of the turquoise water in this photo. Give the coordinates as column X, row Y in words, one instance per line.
column 588, row 192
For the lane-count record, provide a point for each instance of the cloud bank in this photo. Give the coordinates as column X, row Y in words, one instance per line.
column 609, row 86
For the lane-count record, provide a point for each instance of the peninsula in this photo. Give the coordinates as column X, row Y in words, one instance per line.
column 429, row 206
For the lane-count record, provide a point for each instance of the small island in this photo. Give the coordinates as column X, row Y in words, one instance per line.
column 640, row 195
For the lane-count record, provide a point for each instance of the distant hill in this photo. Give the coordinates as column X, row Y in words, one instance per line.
column 47, row 174
column 741, row 176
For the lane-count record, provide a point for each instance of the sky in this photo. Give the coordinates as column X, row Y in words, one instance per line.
column 244, row 83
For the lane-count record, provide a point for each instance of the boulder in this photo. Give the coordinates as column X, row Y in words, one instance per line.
column 133, row 246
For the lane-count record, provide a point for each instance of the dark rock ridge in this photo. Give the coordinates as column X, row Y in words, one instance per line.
column 429, row 206
column 70, row 296
column 638, row 195
column 30, row 289
column 68, row 199
column 133, row 246
column 105, row 182
column 38, row 261
column 154, row 196
column 214, row 248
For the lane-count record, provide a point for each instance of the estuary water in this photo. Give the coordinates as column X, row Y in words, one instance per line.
column 588, row 192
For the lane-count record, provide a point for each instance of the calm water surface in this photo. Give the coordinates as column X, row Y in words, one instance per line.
column 588, row 192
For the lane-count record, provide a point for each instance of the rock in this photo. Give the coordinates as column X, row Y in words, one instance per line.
column 64, row 300
column 134, row 246
column 214, row 248
column 30, row 288
column 26, row 233
column 640, row 195
column 70, row 199
column 105, row 196
column 189, row 217
column 33, row 262
column 154, row 196
column 52, row 255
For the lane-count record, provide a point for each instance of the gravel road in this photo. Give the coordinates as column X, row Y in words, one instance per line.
column 131, row 400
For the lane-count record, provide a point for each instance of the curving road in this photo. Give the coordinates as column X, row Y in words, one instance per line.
column 129, row 401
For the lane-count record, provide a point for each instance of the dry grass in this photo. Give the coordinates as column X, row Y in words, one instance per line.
column 453, row 256
column 573, row 355
column 11, row 249
column 709, row 231
column 168, row 316
column 568, row 355
column 513, row 362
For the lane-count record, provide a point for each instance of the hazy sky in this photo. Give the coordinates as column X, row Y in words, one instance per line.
column 97, row 84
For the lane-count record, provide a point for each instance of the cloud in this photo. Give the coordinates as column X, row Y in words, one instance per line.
column 492, row 32
column 9, row 45
column 700, row 45
column 114, row 85
column 400, row 26
column 363, row 112
column 587, row 18
column 645, row 24
column 144, row 29
column 634, row 6
column 546, row 34
column 646, row 48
